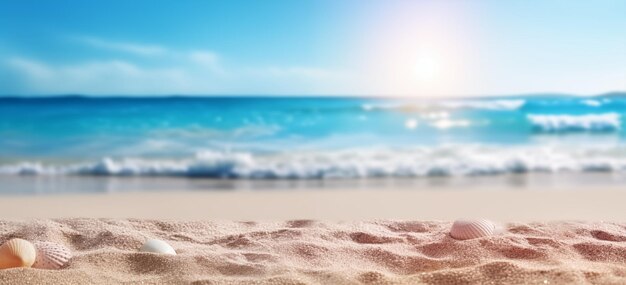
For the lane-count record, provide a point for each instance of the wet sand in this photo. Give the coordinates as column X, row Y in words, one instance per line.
column 329, row 205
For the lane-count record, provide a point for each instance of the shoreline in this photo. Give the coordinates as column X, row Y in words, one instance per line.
column 506, row 205
column 79, row 184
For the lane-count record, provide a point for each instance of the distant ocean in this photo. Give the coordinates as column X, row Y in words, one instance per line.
column 311, row 138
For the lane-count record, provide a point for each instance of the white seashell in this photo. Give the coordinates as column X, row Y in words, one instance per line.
column 51, row 255
column 17, row 253
column 469, row 229
column 157, row 246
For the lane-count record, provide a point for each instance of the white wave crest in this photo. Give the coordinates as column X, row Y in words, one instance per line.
column 503, row 105
column 493, row 105
column 592, row 103
column 458, row 160
column 446, row 124
column 608, row 122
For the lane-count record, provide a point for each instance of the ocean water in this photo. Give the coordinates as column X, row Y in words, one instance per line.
column 311, row 138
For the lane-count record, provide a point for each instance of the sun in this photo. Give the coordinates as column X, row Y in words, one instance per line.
column 427, row 67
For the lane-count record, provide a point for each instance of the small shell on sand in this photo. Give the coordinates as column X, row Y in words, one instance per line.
column 469, row 229
column 17, row 253
column 51, row 255
column 157, row 246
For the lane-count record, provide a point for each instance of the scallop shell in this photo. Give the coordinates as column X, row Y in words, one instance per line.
column 51, row 255
column 17, row 253
column 469, row 229
column 157, row 246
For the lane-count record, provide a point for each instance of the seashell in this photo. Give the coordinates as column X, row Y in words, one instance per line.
column 51, row 255
column 17, row 253
column 469, row 229
column 157, row 246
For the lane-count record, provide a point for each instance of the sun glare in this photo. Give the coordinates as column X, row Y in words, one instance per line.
column 427, row 68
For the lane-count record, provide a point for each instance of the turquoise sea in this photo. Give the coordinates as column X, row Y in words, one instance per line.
column 310, row 138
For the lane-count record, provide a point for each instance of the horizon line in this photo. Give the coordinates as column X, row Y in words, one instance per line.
column 261, row 95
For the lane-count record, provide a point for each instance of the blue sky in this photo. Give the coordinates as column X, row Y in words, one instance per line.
column 348, row 47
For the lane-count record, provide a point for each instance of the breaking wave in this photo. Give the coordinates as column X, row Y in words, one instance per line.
column 504, row 105
column 457, row 160
column 607, row 122
column 493, row 105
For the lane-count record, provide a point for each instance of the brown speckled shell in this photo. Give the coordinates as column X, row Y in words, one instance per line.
column 51, row 255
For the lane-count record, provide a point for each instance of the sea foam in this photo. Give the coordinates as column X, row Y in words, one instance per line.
column 452, row 160
column 501, row 105
column 491, row 105
column 607, row 122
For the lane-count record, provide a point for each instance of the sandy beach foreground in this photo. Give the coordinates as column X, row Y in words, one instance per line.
column 313, row 252
column 325, row 237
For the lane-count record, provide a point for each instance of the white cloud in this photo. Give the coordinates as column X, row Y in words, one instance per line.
column 32, row 68
column 208, row 60
column 296, row 72
column 204, row 57
column 200, row 74
column 97, row 77
column 169, row 71
column 134, row 48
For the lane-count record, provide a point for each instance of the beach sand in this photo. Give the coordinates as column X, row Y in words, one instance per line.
column 325, row 237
